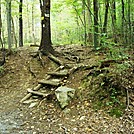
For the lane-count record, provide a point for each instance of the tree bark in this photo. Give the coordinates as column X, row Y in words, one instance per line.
column 30, row 94
column 37, row 93
column 58, row 73
column 113, row 6
column 13, row 33
column 9, row 23
column 2, row 46
column 49, row 82
column 123, row 18
column 20, row 24
column 89, row 34
column 129, row 23
column 33, row 30
column 46, row 44
column 84, row 21
column 0, row 20
column 96, row 40
column 106, row 16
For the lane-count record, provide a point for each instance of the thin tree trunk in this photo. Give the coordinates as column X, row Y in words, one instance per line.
column 13, row 32
column 20, row 24
column 0, row 20
column 28, row 35
column 33, row 31
column 123, row 20
column 129, row 23
column 106, row 16
column 113, row 6
column 9, row 23
column 96, row 40
column 100, row 16
column 84, row 21
column 1, row 27
column 89, row 34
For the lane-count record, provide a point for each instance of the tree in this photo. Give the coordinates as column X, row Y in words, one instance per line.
column 20, row 24
column 8, row 4
column 129, row 23
column 14, row 38
column 96, row 39
column 33, row 31
column 89, row 38
column 106, row 16
column 123, row 17
column 113, row 15
column 84, row 21
column 46, row 44
column 0, row 26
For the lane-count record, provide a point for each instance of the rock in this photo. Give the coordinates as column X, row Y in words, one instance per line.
column 64, row 95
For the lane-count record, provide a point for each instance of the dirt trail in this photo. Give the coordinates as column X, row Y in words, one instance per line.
column 46, row 117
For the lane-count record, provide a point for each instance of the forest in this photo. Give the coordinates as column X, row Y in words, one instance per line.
column 66, row 66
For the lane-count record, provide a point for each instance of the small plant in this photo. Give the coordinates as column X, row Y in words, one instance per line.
column 123, row 67
column 115, row 111
column 112, row 49
column 105, row 93
column 1, row 69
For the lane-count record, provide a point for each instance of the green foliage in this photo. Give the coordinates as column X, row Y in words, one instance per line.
column 1, row 70
column 106, row 92
column 110, row 99
column 120, row 68
column 116, row 112
column 112, row 50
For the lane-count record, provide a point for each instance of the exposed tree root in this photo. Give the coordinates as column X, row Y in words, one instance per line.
column 55, row 59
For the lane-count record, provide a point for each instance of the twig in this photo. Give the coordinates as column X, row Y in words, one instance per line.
column 127, row 100
column 127, row 103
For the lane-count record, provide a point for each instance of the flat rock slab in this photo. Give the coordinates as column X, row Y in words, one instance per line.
column 49, row 82
column 64, row 95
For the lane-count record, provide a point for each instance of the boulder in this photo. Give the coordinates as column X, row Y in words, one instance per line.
column 64, row 95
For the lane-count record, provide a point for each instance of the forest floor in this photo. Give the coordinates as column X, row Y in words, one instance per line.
column 22, row 71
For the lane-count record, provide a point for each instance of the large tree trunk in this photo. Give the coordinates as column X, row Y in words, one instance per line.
column 20, row 24
column 46, row 44
column 96, row 39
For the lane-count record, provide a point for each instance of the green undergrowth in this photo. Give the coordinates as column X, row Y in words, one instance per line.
column 1, row 70
column 106, row 87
